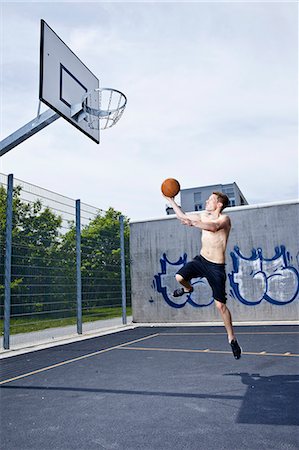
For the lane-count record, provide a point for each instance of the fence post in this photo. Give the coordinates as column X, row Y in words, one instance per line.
column 123, row 270
column 78, row 267
column 7, row 270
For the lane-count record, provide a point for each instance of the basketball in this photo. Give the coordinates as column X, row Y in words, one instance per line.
column 170, row 187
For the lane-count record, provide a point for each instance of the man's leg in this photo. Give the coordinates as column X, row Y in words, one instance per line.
column 184, row 283
column 185, row 290
column 227, row 319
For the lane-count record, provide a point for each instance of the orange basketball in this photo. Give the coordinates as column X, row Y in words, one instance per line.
column 170, row 187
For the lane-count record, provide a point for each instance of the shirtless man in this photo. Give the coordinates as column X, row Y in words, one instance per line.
column 210, row 263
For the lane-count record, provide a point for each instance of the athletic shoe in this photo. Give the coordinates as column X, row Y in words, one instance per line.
column 236, row 349
column 181, row 291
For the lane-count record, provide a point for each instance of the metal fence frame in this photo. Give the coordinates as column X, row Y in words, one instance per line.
column 8, row 261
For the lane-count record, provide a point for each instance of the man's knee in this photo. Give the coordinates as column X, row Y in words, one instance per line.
column 179, row 278
column 220, row 306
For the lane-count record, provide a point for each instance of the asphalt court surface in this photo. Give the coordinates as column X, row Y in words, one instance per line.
column 156, row 388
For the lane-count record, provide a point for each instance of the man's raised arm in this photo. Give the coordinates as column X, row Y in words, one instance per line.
column 186, row 219
column 194, row 220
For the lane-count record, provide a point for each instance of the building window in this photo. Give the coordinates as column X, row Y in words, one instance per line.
column 197, row 197
column 169, row 210
column 229, row 191
column 198, row 207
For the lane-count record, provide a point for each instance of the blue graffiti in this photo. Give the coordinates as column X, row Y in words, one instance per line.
column 256, row 278
column 164, row 283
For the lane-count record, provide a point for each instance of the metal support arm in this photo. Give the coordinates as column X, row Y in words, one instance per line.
column 28, row 130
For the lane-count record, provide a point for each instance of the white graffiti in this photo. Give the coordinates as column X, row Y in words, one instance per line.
column 256, row 278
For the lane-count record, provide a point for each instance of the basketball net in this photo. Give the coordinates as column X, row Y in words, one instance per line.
column 111, row 103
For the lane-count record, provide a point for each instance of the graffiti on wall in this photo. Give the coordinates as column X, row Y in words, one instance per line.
column 165, row 283
column 252, row 280
column 256, row 278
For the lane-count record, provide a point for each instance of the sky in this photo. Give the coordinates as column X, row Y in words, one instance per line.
column 212, row 93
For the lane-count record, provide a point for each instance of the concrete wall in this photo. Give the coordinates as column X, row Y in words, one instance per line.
column 262, row 267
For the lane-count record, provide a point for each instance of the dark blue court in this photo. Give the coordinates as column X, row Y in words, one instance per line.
column 156, row 388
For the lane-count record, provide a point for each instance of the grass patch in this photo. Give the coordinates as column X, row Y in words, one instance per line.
column 38, row 323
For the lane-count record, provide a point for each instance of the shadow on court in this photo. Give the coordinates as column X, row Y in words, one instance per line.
column 272, row 400
column 130, row 392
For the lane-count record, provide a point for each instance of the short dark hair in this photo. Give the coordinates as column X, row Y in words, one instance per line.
column 222, row 198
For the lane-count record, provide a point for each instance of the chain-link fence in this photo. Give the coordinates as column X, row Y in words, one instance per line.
column 63, row 263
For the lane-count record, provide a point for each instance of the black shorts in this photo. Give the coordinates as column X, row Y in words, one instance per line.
column 200, row 267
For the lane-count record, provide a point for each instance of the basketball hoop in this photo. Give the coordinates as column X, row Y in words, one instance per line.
column 111, row 103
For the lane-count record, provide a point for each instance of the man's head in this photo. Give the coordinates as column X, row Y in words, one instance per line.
column 217, row 200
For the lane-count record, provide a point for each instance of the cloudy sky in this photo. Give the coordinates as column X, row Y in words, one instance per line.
column 212, row 98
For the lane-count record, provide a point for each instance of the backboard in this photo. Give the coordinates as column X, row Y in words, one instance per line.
column 65, row 80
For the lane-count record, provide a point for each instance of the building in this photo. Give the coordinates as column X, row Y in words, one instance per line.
column 194, row 199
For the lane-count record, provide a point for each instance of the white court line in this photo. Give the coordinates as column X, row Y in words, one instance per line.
column 79, row 358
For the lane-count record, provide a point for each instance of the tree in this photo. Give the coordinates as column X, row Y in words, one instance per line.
column 100, row 259
column 35, row 235
column 44, row 259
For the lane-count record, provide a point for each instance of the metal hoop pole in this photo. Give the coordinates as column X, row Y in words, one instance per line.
column 78, row 267
column 7, row 277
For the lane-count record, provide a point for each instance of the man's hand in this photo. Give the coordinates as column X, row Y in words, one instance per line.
column 186, row 221
column 169, row 199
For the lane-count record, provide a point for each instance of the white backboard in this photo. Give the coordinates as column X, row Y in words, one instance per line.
column 64, row 80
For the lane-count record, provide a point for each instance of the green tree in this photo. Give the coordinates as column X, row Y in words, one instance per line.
column 44, row 260
column 35, row 235
column 100, row 260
